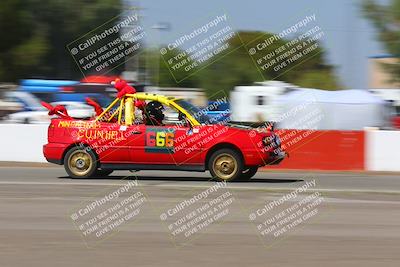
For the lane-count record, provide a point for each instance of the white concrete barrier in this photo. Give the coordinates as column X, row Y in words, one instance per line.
column 382, row 150
column 22, row 142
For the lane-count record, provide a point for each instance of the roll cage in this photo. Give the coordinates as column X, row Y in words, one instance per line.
column 126, row 107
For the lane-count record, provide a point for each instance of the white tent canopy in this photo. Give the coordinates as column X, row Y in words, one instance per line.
column 331, row 110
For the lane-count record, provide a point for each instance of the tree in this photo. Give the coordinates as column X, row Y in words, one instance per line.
column 321, row 79
column 161, row 74
column 34, row 35
column 221, row 73
column 238, row 68
column 386, row 19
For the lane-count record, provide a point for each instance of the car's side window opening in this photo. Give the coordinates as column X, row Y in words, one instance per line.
column 174, row 117
column 171, row 116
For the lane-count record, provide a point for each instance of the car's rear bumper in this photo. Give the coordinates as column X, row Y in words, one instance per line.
column 54, row 152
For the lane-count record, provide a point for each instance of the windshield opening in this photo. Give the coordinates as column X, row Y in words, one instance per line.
column 199, row 114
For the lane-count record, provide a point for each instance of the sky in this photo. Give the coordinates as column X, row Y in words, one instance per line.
column 348, row 41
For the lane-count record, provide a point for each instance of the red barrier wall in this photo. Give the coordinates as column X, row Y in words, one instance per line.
column 322, row 150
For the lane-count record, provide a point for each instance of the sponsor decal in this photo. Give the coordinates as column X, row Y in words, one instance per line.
column 79, row 124
column 92, row 134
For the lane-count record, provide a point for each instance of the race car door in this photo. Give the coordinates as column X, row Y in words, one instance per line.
column 135, row 136
column 172, row 145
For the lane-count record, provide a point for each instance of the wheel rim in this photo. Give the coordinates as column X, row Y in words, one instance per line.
column 225, row 166
column 80, row 162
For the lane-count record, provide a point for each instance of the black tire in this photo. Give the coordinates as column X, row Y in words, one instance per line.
column 225, row 165
column 80, row 162
column 102, row 172
column 248, row 173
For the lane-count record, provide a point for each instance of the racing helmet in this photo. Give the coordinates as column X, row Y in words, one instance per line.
column 154, row 110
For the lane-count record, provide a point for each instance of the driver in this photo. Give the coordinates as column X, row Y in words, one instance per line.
column 154, row 113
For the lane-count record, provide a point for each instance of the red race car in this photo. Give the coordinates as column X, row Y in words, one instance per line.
column 134, row 134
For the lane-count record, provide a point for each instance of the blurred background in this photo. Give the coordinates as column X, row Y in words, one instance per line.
column 335, row 95
column 355, row 63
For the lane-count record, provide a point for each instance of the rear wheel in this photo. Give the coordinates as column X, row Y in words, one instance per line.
column 225, row 165
column 248, row 173
column 80, row 163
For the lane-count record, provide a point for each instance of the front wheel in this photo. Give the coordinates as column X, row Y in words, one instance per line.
column 225, row 165
column 80, row 163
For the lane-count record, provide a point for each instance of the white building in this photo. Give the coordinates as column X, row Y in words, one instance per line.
column 254, row 103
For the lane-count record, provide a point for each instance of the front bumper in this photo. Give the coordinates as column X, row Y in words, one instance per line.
column 276, row 157
column 262, row 158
